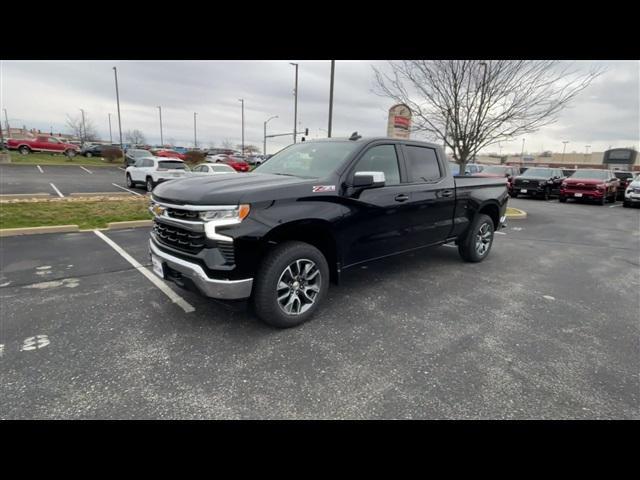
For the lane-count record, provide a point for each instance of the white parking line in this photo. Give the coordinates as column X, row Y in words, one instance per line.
column 57, row 191
column 450, row 245
column 39, row 168
column 123, row 169
column 500, row 233
column 175, row 298
column 614, row 206
column 126, row 189
column 86, row 170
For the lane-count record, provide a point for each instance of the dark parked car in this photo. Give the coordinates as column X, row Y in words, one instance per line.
column 538, row 182
column 625, row 177
column 93, row 150
column 281, row 233
column 133, row 154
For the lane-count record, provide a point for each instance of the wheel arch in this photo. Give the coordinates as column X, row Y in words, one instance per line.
column 492, row 209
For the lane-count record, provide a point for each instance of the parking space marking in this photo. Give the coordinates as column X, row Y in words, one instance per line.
column 86, row 170
column 1, row 350
column 123, row 169
column 614, row 206
column 57, row 191
column 126, row 189
column 173, row 296
column 34, row 343
column 39, row 168
column 500, row 233
column 450, row 245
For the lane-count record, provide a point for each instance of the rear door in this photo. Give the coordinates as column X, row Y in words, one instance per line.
column 432, row 198
column 54, row 145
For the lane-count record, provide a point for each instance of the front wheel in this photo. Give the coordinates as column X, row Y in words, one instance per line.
column 546, row 195
column 130, row 183
column 88, row 154
column 478, row 241
column 612, row 198
column 290, row 285
column 150, row 184
column 626, row 204
column 562, row 199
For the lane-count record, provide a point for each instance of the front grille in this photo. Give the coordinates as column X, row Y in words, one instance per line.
column 573, row 186
column 527, row 183
column 227, row 251
column 179, row 238
column 182, row 214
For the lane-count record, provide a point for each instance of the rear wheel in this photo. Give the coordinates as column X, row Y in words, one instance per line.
column 612, row 198
column 477, row 243
column 24, row 150
column 290, row 284
column 602, row 200
column 70, row 153
column 626, row 204
column 514, row 194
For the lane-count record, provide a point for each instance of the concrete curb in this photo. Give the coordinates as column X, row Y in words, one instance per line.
column 101, row 194
column 516, row 216
column 20, row 196
column 12, row 232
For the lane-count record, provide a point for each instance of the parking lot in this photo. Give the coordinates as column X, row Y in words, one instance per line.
column 62, row 180
column 546, row 327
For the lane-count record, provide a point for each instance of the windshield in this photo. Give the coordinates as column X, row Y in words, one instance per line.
column 595, row 174
column 139, row 153
column 495, row 170
column 171, row 165
column 308, row 160
column 538, row 172
column 623, row 175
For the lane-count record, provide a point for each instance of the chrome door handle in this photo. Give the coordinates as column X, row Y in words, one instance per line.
column 402, row 198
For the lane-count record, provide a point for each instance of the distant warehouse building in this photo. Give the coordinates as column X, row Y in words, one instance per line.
column 616, row 158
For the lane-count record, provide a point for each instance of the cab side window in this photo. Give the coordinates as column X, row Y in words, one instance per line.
column 381, row 158
column 422, row 164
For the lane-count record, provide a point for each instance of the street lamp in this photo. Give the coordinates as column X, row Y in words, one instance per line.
column 115, row 72
column 586, row 149
column 522, row 154
column 83, row 136
column 564, row 148
column 264, row 146
column 195, row 137
column 161, row 139
column 110, row 135
column 295, row 105
column 333, row 67
column 241, row 100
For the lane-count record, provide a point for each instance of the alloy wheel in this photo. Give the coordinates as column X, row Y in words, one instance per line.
column 483, row 239
column 298, row 286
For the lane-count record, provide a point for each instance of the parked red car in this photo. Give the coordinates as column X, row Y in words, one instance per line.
column 170, row 154
column 591, row 184
column 500, row 171
column 43, row 143
column 236, row 163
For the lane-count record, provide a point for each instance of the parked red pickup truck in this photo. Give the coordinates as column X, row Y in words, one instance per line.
column 42, row 143
column 591, row 184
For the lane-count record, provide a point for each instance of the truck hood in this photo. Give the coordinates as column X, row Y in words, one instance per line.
column 232, row 189
column 586, row 181
column 535, row 179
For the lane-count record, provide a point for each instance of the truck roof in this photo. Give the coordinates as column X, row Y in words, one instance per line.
column 372, row 139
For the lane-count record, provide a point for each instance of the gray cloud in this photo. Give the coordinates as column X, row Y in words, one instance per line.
column 40, row 94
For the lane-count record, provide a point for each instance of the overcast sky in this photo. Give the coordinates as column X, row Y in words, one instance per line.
column 39, row 94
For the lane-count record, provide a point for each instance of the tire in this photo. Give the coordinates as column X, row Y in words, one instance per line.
column 602, row 200
column 612, row 198
column 480, row 232
column 514, row 194
column 562, row 199
column 546, row 195
column 284, row 265
column 70, row 153
column 130, row 183
column 626, row 204
column 88, row 154
column 149, row 183
column 24, row 150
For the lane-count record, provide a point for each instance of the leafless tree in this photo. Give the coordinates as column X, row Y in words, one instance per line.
column 471, row 104
column 248, row 149
column 227, row 144
column 135, row 137
column 86, row 132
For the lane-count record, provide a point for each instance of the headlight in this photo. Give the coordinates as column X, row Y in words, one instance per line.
column 564, row 184
column 222, row 217
column 602, row 186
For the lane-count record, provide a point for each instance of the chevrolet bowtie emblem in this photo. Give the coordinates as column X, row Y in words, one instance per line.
column 157, row 210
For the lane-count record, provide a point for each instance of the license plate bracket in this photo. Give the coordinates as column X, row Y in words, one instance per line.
column 577, row 195
column 158, row 267
column 523, row 190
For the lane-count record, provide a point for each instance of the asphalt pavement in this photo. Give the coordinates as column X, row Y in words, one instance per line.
column 546, row 328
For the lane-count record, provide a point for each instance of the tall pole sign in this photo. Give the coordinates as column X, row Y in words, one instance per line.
column 399, row 123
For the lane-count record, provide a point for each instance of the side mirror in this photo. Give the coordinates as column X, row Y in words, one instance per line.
column 368, row 180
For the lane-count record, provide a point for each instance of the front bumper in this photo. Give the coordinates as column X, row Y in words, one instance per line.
column 209, row 287
column 598, row 194
column 632, row 198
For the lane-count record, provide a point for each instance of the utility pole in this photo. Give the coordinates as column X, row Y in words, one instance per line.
column 83, row 136
column 586, row 149
column 264, row 146
column 295, row 105
column 241, row 100
column 522, row 154
column 161, row 140
column 195, row 138
column 6, row 120
column 115, row 72
column 333, row 66
column 564, row 148
column 110, row 136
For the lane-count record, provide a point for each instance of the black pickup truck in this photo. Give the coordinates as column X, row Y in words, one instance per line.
column 281, row 233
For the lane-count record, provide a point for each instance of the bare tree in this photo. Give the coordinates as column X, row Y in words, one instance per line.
column 227, row 144
column 135, row 137
column 471, row 104
column 248, row 149
column 86, row 132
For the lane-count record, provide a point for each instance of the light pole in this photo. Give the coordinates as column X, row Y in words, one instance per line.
column 110, row 136
column 115, row 72
column 295, row 105
column 333, row 66
column 564, row 148
column 161, row 139
column 264, row 146
column 241, row 100
column 522, row 154
column 83, row 136
column 195, row 137
column 586, row 149
column 6, row 120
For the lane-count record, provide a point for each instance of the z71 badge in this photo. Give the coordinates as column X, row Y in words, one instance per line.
column 323, row 188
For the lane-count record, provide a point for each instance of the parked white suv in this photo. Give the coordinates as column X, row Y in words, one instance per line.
column 150, row 171
column 632, row 194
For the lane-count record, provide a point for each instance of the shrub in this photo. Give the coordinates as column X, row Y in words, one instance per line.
column 193, row 157
column 111, row 154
